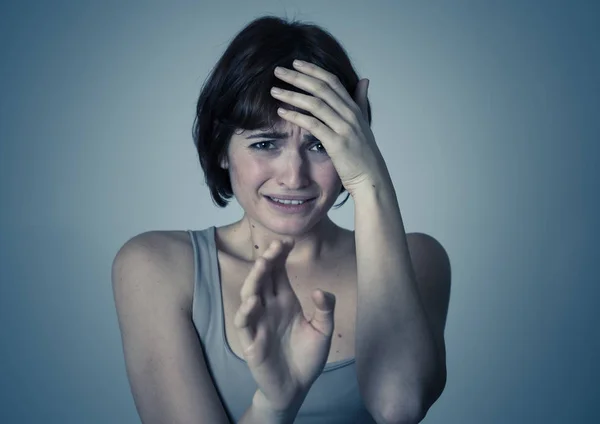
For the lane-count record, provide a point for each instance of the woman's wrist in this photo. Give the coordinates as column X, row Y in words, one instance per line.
column 260, row 411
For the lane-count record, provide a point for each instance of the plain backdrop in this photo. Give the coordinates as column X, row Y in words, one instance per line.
column 487, row 113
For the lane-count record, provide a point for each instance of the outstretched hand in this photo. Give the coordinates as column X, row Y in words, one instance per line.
column 284, row 351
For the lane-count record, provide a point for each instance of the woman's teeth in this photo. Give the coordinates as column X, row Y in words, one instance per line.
column 288, row 202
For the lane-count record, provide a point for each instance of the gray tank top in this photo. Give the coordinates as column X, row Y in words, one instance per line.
column 333, row 398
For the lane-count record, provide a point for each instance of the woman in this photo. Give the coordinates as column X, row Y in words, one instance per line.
column 283, row 316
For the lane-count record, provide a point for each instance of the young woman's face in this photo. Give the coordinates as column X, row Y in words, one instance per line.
column 283, row 163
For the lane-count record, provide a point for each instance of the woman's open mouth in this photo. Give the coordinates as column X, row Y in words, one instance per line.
column 291, row 206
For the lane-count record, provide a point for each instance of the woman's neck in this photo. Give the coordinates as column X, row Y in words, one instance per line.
column 310, row 248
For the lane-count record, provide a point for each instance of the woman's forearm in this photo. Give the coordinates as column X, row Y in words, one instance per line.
column 395, row 347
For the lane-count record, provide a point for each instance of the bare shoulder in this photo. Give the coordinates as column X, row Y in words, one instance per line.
column 426, row 250
column 166, row 256
column 152, row 277
column 431, row 263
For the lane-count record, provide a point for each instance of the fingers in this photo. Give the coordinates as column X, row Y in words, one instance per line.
column 311, row 77
column 245, row 321
column 252, row 283
column 257, row 285
column 322, row 319
column 258, row 282
column 253, row 338
column 272, row 255
column 260, row 278
column 278, row 251
column 255, row 353
column 279, row 277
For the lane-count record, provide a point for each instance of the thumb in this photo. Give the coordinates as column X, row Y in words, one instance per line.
column 322, row 319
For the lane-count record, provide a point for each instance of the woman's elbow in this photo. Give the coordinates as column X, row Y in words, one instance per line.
column 405, row 412
column 411, row 409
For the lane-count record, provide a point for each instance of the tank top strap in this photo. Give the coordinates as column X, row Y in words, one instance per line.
column 205, row 305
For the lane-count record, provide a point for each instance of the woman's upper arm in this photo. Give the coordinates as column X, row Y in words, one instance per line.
column 433, row 272
column 165, row 364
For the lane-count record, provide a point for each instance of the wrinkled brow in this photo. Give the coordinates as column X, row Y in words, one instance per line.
column 276, row 135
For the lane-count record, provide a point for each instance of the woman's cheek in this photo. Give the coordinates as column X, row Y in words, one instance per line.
column 246, row 174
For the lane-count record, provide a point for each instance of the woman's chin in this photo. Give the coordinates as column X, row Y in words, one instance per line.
column 290, row 226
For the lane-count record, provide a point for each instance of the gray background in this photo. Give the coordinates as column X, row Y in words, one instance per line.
column 487, row 114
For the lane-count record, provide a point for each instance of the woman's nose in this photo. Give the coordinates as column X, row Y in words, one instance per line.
column 294, row 171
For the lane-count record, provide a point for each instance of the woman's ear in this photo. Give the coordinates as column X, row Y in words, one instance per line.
column 224, row 163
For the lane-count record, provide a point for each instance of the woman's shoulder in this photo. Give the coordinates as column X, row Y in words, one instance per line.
column 164, row 246
column 158, row 255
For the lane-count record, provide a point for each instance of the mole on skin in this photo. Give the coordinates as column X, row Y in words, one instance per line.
column 256, row 246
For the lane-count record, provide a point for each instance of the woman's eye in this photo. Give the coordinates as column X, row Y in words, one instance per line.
column 269, row 145
column 321, row 149
column 261, row 145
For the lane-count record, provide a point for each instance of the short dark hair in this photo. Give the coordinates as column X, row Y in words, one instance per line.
column 236, row 94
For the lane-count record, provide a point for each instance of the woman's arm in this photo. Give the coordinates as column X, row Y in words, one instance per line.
column 400, row 353
column 400, row 320
column 165, row 363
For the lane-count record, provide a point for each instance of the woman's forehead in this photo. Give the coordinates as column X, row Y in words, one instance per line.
column 281, row 127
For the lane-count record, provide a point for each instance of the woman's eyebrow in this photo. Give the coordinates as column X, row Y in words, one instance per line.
column 280, row 135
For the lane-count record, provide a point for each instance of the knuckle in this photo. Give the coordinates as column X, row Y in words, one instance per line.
column 346, row 131
column 322, row 86
column 334, row 81
column 354, row 117
column 261, row 263
column 317, row 103
column 313, row 124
